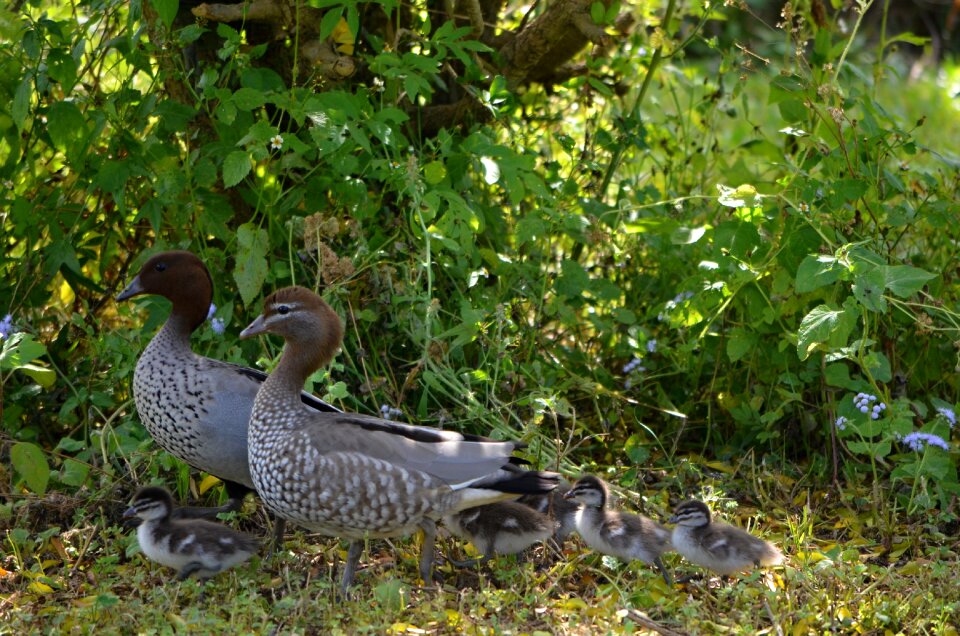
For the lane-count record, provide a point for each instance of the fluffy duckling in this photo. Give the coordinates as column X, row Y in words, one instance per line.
column 557, row 507
column 715, row 545
column 189, row 546
column 620, row 534
column 506, row 527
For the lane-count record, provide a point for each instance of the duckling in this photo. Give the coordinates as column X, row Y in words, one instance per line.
column 354, row 476
column 620, row 534
column 557, row 507
column 506, row 527
column 715, row 545
column 189, row 546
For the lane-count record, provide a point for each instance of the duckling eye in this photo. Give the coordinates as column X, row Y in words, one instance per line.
column 283, row 310
column 160, row 267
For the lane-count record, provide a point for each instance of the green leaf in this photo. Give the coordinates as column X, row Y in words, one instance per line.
column 434, row 172
column 31, row 464
column 573, row 279
column 74, row 473
column 739, row 343
column 905, row 280
column 41, row 375
column 868, row 289
column 248, row 99
column 66, row 126
column 166, row 10
column 817, row 271
column 597, row 11
column 251, row 270
column 21, row 102
column 235, row 167
column 824, row 325
column 636, row 450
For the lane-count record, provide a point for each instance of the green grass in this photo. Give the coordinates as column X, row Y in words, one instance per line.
column 846, row 572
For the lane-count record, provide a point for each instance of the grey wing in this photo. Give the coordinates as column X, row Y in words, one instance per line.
column 451, row 458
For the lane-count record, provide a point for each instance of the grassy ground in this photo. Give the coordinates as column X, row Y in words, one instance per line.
column 854, row 566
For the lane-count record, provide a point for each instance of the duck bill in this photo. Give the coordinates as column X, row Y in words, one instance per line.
column 133, row 289
column 672, row 519
column 130, row 512
column 255, row 328
column 569, row 495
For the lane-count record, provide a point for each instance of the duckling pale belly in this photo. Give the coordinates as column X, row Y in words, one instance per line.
column 344, row 494
column 721, row 553
column 177, row 547
column 627, row 538
column 187, row 416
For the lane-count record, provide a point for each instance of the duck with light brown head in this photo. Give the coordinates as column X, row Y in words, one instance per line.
column 357, row 476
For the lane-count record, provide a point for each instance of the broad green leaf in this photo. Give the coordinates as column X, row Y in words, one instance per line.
column 434, row 172
column 879, row 366
column 41, row 375
column 248, row 99
column 824, row 325
column 21, row 102
column 66, row 126
column 573, row 279
column 868, row 289
column 74, row 473
column 838, row 374
column 251, row 270
column 31, row 464
column 879, row 449
column 235, row 167
column 739, row 343
column 166, row 10
column 818, row 271
column 905, row 280
column 636, row 450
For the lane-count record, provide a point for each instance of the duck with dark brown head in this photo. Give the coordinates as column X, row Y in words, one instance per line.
column 194, row 407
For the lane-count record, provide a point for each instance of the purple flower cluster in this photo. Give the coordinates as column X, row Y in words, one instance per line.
column 634, row 365
column 917, row 441
column 217, row 324
column 863, row 402
column 672, row 304
column 652, row 345
column 841, row 423
column 948, row 414
column 6, row 327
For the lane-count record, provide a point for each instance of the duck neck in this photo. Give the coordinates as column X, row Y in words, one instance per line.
column 297, row 362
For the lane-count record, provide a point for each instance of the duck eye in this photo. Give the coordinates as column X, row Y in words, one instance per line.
column 283, row 310
column 160, row 267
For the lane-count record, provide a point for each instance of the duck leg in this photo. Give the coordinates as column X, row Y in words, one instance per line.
column 664, row 571
column 426, row 550
column 350, row 569
column 188, row 569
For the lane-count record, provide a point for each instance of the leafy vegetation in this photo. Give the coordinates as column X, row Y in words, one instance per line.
column 698, row 267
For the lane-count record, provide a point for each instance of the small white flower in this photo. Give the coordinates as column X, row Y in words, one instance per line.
column 276, row 142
